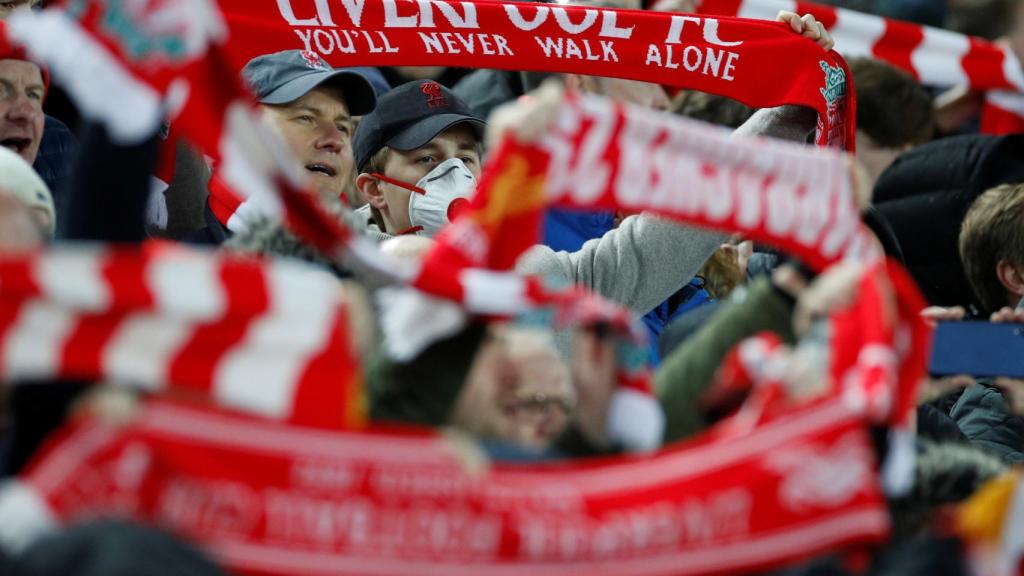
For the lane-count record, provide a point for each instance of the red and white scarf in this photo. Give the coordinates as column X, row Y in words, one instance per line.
column 270, row 339
column 935, row 57
column 270, row 499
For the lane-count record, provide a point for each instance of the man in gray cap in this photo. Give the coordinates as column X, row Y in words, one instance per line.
column 311, row 105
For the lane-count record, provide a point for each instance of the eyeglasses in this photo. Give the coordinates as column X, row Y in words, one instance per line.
column 538, row 405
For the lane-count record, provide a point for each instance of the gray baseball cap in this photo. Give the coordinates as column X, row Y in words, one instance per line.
column 284, row 77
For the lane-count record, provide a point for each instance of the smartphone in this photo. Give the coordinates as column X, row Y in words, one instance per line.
column 979, row 349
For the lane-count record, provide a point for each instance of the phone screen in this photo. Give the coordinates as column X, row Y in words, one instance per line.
column 980, row 349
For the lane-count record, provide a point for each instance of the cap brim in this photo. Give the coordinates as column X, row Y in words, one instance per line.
column 427, row 129
column 360, row 98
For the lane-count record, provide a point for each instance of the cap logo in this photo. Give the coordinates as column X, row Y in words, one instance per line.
column 312, row 60
column 435, row 98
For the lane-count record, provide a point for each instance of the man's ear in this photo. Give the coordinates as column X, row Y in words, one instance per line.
column 1011, row 277
column 370, row 190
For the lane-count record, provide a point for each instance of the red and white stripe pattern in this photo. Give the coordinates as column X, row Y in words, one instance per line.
column 934, row 56
column 266, row 338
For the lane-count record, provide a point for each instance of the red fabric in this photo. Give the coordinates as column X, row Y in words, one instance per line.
column 317, row 405
column 1000, row 121
column 824, row 14
column 863, row 360
column 985, row 65
column 983, row 62
column 247, row 300
column 912, row 348
column 223, row 201
column 759, row 63
column 167, row 160
column 898, row 43
column 9, row 51
column 270, row 499
column 742, row 369
column 879, row 346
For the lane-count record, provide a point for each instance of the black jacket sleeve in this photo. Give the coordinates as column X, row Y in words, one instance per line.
column 109, row 188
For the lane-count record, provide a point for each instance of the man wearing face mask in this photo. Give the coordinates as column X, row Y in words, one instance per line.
column 418, row 154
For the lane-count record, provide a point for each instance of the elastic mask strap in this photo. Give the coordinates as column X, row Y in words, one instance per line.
column 399, row 183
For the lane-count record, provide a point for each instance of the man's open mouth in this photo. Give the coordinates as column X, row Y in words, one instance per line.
column 322, row 169
column 17, row 145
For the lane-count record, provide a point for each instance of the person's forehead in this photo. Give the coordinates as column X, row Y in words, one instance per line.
column 28, row 72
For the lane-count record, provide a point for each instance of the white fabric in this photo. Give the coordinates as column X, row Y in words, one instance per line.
column 156, row 206
column 18, row 179
column 635, row 420
column 898, row 467
column 26, row 517
column 412, row 321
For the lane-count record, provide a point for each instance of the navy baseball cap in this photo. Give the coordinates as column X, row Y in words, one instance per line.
column 284, row 77
column 410, row 116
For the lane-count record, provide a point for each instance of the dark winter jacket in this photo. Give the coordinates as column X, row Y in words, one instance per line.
column 109, row 548
column 924, row 196
column 53, row 162
column 984, row 417
column 485, row 90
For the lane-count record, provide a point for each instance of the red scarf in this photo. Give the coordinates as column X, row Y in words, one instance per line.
column 760, row 64
column 265, row 498
column 935, row 57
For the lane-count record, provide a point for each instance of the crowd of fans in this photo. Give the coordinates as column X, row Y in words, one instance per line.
column 392, row 152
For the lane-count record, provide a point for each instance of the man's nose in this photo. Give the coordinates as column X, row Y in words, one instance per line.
column 23, row 109
column 331, row 139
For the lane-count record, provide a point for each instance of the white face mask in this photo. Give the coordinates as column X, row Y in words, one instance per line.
column 445, row 190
